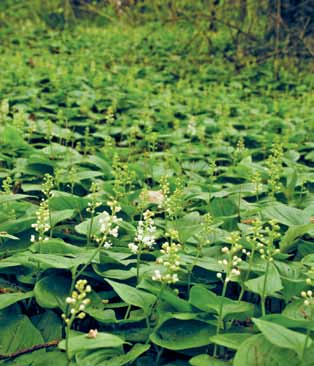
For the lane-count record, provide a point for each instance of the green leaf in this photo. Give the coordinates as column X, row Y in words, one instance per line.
column 82, row 342
column 178, row 334
column 289, row 322
column 67, row 201
column 282, row 337
column 42, row 358
column 4, row 198
column 273, row 282
column 294, row 232
column 187, row 226
column 208, row 301
column 211, row 264
column 167, row 295
column 9, row 299
column 206, row 360
column 4, row 234
column 298, row 311
column 51, row 291
column 18, row 333
column 59, row 216
column 133, row 296
column 103, row 358
column 258, row 351
column 17, row 225
column 56, row 246
column 92, row 226
column 230, row 340
column 49, row 324
column 286, row 215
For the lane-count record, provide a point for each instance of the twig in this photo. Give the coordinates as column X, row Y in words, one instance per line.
column 30, row 349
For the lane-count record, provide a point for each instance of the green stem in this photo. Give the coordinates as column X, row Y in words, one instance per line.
column 67, row 338
column 159, row 354
column 308, row 333
column 247, row 275
column 239, row 203
column 77, row 275
column 220, row 318
column 263, row 296
column 138, row 259
column 127, row 312
column 162, row 289
column 50, row 221
column 38, row 262
column 90, row 230
column 305, row 345
column 191, row 271
column 138, row 263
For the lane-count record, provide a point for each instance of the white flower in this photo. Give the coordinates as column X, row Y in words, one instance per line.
column 175, row 278
column 114, row 232
column 107, row 245
column 157, row 275
column 133, row 247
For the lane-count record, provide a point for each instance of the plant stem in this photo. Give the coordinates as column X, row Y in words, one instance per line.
column 159, row 354
column 67, row 337
column 77, row 275
column 138, row 263
column 263, row 297
column 162, row 289
column 127, row 313
column 90, row 230
column 220, row 317
column 247, row 275
column 305, row 345
column 191, row 270
column 239, row 203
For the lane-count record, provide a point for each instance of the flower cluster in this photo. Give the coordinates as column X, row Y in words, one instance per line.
column 109, row 225
column 192, row 127
column 145, row 233
column 257, row 182
column 93, row 204
column 266, row 245
column 274, row 166
column 42, row 224
column 77, row 302
column 254, row 237
column 231, row 261
column 308, row 297
column 239, row 150
column 207, row 229
column 123, row 177
column 172, row 204
column 7, row 184
column 47, row 185
column 171, row 263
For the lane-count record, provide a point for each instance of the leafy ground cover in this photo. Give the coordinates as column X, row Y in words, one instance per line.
column 156, row 207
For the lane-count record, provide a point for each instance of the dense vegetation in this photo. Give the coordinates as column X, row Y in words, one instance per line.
column 156, row 203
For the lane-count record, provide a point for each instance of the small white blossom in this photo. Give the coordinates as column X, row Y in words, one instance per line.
column 133, row 248
column 107, row 245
